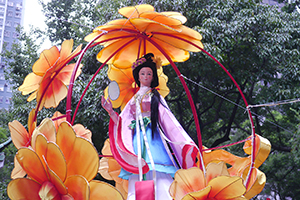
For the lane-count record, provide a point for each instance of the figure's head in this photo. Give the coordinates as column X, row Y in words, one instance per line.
column 145, row 62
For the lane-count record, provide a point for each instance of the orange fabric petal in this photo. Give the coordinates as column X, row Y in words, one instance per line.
column 238, row 163
column 106, row 148
column 215, row 169
column 81, row 131
column 51, row 156
column 81, row 156
column 256, row 184
column 102, row 190
column 32, row 96
column 135, row 11
column 52, row 88
column 186, row 181
column 57, row 182
column 262, row 150
column 31, row 124
column 66, row 73
column 103, row 169
column 30, row 84
column 78, row 187
column 199, row 195
column 51, row 91
column 66, row 49
column 175, row 15
column 226, row 187
column 18, row 171
column 123, row 188
column 32, row 164
column 19, row 134
column 58, row 121
column 47, row 59
column 23, row 188
column 161, row 18
column 46, row 128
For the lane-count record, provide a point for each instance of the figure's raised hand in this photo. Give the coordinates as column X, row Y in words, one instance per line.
column 107, row 105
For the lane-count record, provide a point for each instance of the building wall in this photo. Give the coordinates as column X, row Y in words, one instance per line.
column 11, row 16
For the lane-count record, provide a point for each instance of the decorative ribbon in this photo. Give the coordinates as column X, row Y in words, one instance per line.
column 139, row 119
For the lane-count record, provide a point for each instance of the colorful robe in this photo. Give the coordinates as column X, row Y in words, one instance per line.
column 121, row 136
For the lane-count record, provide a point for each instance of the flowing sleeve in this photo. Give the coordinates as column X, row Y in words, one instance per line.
column 121, row 145
column 183, row 146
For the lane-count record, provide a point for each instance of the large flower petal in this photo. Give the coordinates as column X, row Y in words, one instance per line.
column 18, row 171
column 134, row 11
column 32, row 164
column 199, row 195
column 30, row 84
column 262, row 150
column 59, row 118
column 78, row 187
column 256, row 184
column 51, row 92
column 23, row 188
column 145, row 31
column 46, row 128
column 186, row 181
column 47, row 59
column 19, row 135
column 81, row 131
column 102, row 190
column 51, row 156
column 215, row 169
column 81, row 156
column 31, row 122
column 226, row 187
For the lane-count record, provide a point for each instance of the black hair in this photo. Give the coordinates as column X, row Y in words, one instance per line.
column 148, row 63
column 155, row 99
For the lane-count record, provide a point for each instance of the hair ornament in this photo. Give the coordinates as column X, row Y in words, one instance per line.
column 157, row 61
column 138, row 62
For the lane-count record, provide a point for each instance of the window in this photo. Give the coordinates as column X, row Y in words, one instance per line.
column 1, row 99
column 7, row 33
column 1, row 87
column 16, row 24
column 2, row 76
column 2, row 9
column 8, row 89
column 8, row 23
column 18, row 6
column 7, row 100
column 18, row 15
column 11, row 4
column 15, row 35
column 9, row 13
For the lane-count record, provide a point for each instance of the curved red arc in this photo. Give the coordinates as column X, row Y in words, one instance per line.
column 70, row 90
column 241, row 93
column 185, row 88
column 86, row 88
column 46, row 89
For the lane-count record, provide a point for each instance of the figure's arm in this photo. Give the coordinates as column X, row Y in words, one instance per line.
column 107, row 105
column 182, row 144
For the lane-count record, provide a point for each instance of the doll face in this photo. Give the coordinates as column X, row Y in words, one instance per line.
column 145, row 76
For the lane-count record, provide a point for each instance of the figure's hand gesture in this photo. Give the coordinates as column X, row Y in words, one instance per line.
column 107, row 105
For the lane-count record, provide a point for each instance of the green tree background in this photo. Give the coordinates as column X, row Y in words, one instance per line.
column 258, row 44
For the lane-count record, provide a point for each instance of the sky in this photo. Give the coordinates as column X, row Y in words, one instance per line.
column 33, row 15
